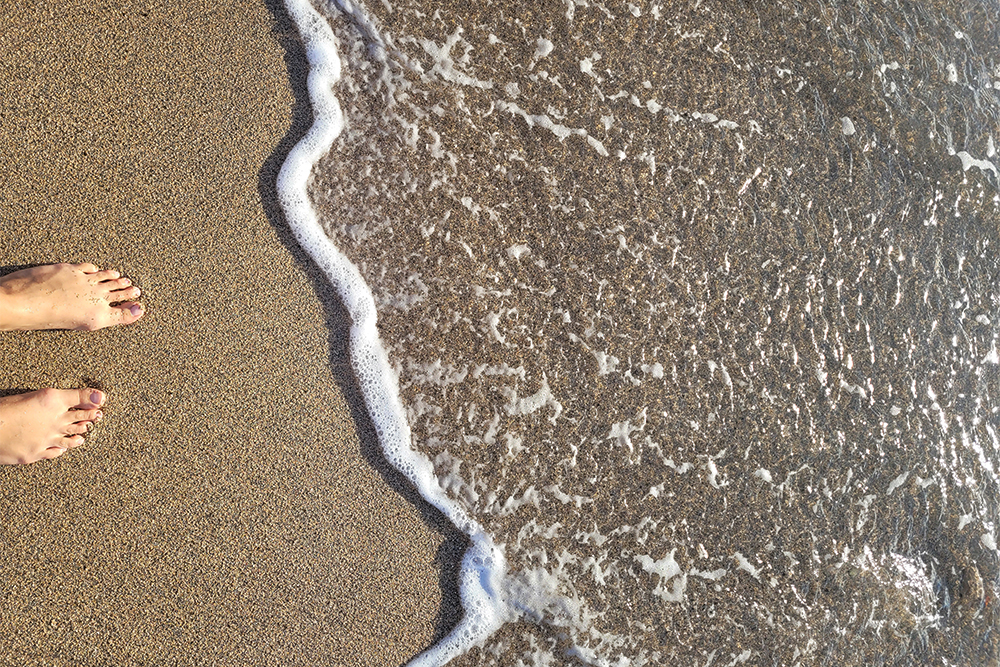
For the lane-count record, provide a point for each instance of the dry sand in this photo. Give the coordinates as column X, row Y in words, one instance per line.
column 232, row 508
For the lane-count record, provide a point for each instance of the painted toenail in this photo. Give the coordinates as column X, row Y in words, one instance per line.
column 136, row 310
column 96, row 397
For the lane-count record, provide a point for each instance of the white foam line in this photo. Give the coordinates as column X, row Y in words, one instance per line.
column 483, row 567
column 746, row 183
column 542, row 120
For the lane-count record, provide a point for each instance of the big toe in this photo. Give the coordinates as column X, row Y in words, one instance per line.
column 127, row 313
column 89, row 399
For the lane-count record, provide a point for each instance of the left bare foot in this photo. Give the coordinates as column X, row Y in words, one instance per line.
column 44, row 424
column 66, row 296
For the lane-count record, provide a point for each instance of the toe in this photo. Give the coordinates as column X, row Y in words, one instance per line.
column 88, row 399
column 104, row 276
column 77, row 429
column 64, row 401
column 116, row 283
column 71, row 441
column 127, row 313
column 78, row 416
column 87, row 267
column 53, row 452
column 127, row 294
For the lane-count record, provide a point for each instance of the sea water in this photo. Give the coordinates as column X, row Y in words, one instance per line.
column 685, row 311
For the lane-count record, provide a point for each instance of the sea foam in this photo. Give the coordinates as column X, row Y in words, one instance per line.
column 483, row 566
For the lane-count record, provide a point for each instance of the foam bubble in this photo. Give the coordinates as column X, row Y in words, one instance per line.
column 543, row 47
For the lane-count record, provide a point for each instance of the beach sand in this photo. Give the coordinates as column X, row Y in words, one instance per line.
column 233, row 507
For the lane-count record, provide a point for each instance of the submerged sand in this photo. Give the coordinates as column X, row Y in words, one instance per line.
column 232, row 508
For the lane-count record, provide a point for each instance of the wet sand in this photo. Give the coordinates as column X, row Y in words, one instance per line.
column 232, row 508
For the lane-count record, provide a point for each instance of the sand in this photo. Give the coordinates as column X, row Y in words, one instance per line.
column 232, row 508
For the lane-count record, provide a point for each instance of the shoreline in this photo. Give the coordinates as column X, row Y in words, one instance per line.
column 234, row 504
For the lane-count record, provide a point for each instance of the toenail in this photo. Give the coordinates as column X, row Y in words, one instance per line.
column 136, row 310
column 96, row 397
column 99, row 417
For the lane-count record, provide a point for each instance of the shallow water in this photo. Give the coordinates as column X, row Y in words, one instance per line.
column 694, row 308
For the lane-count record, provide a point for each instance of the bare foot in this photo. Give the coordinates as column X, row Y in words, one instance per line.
column 44, row 424
column 66, row 296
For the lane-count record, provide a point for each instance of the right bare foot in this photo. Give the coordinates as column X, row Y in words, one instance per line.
column 44, row 424
column 66, row 296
